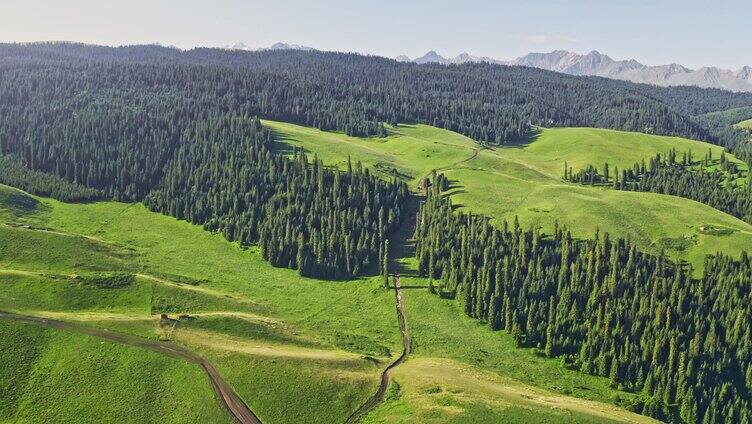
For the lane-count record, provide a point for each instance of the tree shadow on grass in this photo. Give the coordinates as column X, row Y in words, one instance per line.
column 522, row 143
column 454, row 184
column 285, row 145
column 401, row 243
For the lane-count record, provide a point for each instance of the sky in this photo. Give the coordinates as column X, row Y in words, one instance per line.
column 692, row 33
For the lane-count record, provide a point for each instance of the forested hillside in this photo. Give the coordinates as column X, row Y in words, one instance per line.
column 715, row 110
column 14, row 172
column 180, row 131
column 211, row 168
column 347, row 92
column 604, row 308
column 716, row 182
column 322, row 222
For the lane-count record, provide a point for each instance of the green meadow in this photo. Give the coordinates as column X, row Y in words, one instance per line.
column 460, row 370
column 581, row 147
column 525, row 181
column 295, row 349
column 303, row 350
column 410, row 152
column 43, row 370
column 263, row 323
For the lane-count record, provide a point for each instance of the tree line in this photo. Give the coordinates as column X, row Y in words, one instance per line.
column 719, row 183
column 210, row 167
column 684, row 344
column 355, row 94
column 722, row 123
column 324, row 222
column 14, row 173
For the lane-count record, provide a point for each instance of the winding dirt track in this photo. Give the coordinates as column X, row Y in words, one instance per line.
column 231, row 401
column 378, row 397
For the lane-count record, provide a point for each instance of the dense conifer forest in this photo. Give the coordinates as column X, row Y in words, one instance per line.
column 323, row 222
column 14, row 173
column 349, row 92
column 161, row 125
column 604, row 308
column 723, row 188
column 194, row 161
column 180, row 131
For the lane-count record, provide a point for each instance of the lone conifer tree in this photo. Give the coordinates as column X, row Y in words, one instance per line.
column 385, row 264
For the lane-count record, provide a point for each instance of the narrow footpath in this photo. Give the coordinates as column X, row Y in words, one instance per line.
column 377, row 398
column 230, row 400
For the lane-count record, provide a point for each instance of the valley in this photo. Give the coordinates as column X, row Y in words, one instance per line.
column 247, row 316
column 289, row 235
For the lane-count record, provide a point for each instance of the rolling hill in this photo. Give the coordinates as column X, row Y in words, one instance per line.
column 294, row 333
column 277, row 338
column 43, row 370
column 745, row 124
column 263, row 259
column 525, row 181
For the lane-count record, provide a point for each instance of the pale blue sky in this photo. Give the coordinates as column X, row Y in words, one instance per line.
column 693, row 33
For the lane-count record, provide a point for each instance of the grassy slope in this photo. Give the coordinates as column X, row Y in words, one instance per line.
column 430, row 390
column 520, row 181
column 439, row 329
column 412, row 150
column 460, row 370
column 594, row 146
column 44, row 370
column 745, row 124
column 309, row 336
column 525, row 181
column 288, row 345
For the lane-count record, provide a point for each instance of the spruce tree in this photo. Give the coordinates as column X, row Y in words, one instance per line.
column 385, row 264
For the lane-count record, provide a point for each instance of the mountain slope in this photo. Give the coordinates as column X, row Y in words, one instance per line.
column 335, row 91
column 598, row 64
column 260, row 325
column 525, row 181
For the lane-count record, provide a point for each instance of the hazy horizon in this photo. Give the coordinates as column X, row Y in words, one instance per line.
column 653, row 34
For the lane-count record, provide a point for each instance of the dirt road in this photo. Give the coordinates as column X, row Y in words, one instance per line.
column 231, row 401
column 377, row 398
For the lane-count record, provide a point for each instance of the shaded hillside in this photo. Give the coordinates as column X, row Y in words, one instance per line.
column 346, row 92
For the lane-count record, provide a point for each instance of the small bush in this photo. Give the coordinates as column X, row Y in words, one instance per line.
column 715, row 231
column 109, row 280
column 394, row 391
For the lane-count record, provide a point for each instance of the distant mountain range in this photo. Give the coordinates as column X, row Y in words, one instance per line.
column 595, row 63
column 276, row 46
